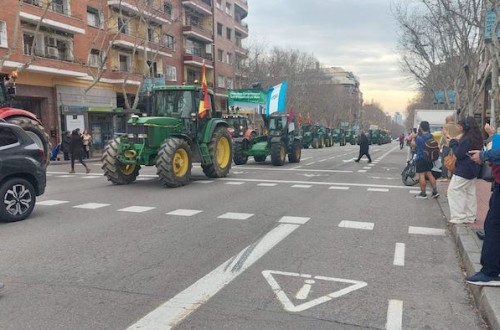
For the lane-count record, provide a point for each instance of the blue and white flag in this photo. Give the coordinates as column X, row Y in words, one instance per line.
column 276, row 98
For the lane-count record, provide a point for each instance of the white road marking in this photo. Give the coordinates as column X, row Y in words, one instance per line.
column 414, row 191
column 91, row 177
column 235, row 216
column 356, row 225
column 371, row 165
column 361, row 171
column 203, row 181
column 339, row 188
column 291, row 169
column 367, row 168
column 378, row 189
column 51, row 202
column 426, row 231
column 304, row 291
column 91, row 206
column 301, row 186
column 172, row 312
column 399, row 254
column 267, row 184
column 394, row 315
column 321, row 161
column 136, row 209
column 66, row 176
column 348, row 160
column 143, row 178
column 310, row 163
column 294, row 220
column 235, row 183
column 184, row 212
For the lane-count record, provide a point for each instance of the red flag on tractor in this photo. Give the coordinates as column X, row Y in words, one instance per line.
column 205, row 102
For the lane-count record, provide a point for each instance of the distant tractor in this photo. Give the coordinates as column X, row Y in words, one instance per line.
column 339, row 136
column 329, row 142
column 307, row 135
column 171, row 137
column 23, row 118
column 319, row 135
column 239, row 126
column 284, row 138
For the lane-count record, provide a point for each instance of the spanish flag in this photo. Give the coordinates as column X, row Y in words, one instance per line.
column 205, row 103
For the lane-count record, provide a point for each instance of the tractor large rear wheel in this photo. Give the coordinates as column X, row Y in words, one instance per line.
column 115, row 171
column 294, row 156
column 221, row 153
column 36, row 132
column 239, row 154
column 174, row 162
column 278, row 153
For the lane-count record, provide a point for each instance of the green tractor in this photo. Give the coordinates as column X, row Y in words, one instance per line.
column 283, row 138
column 328, row 137
column 350, row 137
column 307, row 136
column 319, row 134
column 171, row 138
column 339, row 136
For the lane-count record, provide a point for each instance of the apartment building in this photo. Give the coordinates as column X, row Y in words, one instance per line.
column 79, row 62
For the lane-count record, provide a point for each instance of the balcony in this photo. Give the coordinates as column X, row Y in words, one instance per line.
column 197, row 33
column 241, row 8
column 195, row 57
column 241, row 29
column 156, row 15
column 68, row 24
column 132, row 43
column 202, row 7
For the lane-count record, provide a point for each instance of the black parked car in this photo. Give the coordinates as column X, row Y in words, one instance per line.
column 22, row 173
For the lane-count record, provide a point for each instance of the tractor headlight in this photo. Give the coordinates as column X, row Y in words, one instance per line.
column 142, row 136
column 130, row 135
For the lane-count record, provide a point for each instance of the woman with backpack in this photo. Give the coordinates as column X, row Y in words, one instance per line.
column 462, row 187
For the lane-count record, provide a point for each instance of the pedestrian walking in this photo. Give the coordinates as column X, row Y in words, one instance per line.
column 66, row 145
column 364, row 146
column 76, row 149
column 489, row 275
column 422, row 164
column 401, row 140
column 444, row 144
column 462, row 188
column 87, row 143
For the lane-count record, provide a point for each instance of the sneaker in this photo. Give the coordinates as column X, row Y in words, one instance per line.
column 483, row 279
column 356, row 160
column 87, row 170
column 435, row 194
column 422, row 195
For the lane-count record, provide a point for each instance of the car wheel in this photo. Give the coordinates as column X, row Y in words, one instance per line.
column 18, row 199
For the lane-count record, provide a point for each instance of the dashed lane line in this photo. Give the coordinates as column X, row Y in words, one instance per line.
column 356, row 225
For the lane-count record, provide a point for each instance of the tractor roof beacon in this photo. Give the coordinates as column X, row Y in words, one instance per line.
column 171, row 137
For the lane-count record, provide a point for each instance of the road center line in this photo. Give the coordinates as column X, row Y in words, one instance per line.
column 399, row 254
column 394, row 315
column 172, row 312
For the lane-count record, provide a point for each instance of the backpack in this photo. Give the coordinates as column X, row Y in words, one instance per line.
column 431, row 149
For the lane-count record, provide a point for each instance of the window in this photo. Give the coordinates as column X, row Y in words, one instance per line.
column 123, row 23
column 220, row 81
column 48, row 45
column 7, row 138
column 229, row 58
column 228, row 9
column 94, row 17
column 171, row 73
column 229, row 83
column 124, row 62
column 58, row 6
column 167, row 8
column 32, row 2
column 151, row 34
column 218, row 4
column 3, row 34
column 28, row 40
column 229, row 33
column 220, row 55
column 169, row 41
column 95, row 58
column 219, row 29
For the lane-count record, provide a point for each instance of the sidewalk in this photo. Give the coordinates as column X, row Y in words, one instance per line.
column 487, row 299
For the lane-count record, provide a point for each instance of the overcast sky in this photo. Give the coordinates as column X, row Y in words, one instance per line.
column 357, row 35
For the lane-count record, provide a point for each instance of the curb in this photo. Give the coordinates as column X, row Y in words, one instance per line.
column 487, row 299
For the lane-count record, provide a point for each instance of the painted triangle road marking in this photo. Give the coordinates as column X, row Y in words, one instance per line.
column 304, row 291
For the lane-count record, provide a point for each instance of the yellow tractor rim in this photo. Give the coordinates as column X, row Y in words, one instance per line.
column 128, row 169
column 180, row 162
column 282, row 153
column 223, row 152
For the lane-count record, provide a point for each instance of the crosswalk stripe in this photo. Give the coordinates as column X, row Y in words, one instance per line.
column 235, row 216
column 356, row 225
column 91, row 206
column 51, row 202
column 136, row 209
column 184, row 212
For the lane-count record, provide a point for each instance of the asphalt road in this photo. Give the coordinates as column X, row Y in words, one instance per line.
column 323, row 244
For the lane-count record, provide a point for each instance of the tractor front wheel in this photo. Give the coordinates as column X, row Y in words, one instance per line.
column 278, row 153
column 173, row 164
column 240, row 157
column 221, row 153
column 115, row 171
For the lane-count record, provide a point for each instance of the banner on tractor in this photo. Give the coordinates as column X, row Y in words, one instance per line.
column 247, row 100
column 276, row 98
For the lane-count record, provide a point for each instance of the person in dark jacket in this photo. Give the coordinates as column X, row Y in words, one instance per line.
column 76, row 150
column 462, row 188
column 66, row 144
column 364, row 146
